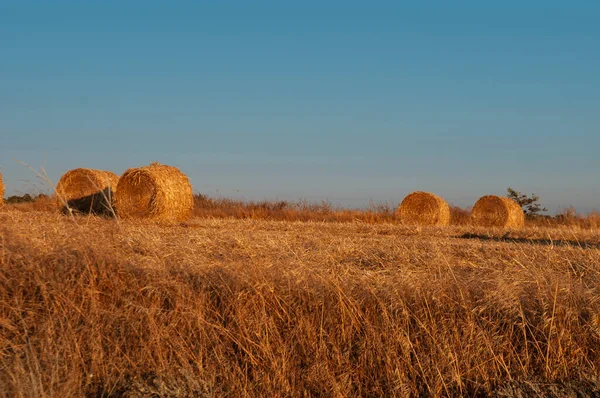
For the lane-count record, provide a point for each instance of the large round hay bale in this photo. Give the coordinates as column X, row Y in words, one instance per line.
column 87, row 190
column 424, row 208
column 157, row 192
column 497, row 211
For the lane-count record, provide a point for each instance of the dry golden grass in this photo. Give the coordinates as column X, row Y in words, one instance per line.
column 227, row 307
column 568, row 217
column 225, row 208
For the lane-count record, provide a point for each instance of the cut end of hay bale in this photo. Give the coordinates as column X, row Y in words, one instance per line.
column 497, row 211
column 158, row 192
column 87, row 191
column 424, row 208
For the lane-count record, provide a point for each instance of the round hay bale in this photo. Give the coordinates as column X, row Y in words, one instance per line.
column 1, row 191
column 158, row 192
column 424, row 208
column 497, row 211
column 87, row 191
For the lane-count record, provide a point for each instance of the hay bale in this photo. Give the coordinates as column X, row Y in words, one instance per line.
column 87, row 191
column 157, row 192
column 1, row 191
column 424, row 208
column 497, row 211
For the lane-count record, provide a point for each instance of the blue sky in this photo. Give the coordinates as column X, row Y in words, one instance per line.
column 341, row 100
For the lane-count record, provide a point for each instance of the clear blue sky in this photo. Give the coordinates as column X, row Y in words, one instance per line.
column 340, row 100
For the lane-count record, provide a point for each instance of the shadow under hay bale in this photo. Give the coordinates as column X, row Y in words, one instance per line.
column 87, row 191
column 532, row 241
column 93, row 204
column 497, row 211
column 424, row 208
column 157, row 192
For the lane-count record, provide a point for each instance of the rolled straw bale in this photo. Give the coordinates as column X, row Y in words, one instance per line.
column 87, row 190
column 424, row 208
column 158, row 192
column 497, row 211
column 1, row 190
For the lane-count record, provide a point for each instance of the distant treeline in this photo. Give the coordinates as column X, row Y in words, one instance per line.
column 27, row 198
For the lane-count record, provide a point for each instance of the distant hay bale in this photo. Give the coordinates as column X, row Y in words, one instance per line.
column 1, row 191
column 497, row 211
column 87, row 190
column 424, row 208
column 157, row 192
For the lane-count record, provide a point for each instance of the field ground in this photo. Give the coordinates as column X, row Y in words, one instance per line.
column 229, row 307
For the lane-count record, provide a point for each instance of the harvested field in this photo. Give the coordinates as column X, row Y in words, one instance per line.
column 225, row 307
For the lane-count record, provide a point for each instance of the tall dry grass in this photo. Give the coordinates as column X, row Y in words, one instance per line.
column 568, row 217
column 281, row 210
column 302, row 210
column 225, row 307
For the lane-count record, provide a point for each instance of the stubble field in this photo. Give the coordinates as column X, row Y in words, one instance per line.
column 230, row 307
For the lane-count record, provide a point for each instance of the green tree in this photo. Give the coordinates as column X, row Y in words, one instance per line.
column 529, row 204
